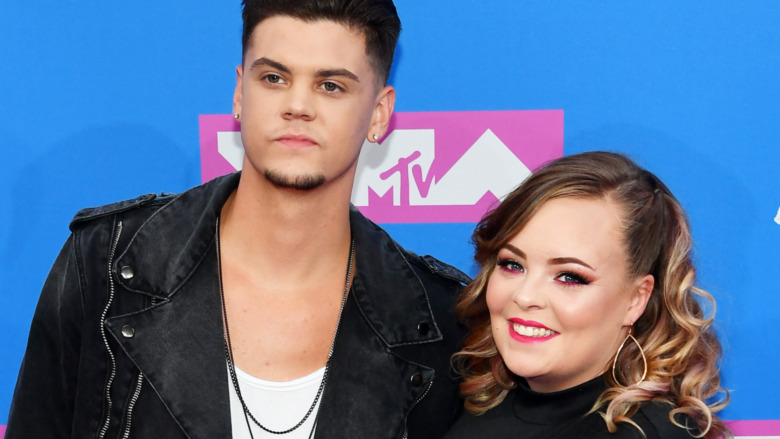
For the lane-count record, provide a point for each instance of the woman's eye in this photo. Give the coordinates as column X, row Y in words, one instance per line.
column 572, row 279
column 330, row 87
column 510, row 265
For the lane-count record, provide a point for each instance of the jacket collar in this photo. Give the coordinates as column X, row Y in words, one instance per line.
column 173, row 241
column 390, row 294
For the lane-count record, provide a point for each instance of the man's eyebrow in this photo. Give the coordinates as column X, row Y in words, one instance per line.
column 326, row 73
column 271, row 63
column 323, row 73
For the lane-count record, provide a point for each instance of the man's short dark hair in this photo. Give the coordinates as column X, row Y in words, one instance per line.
column 377, row 20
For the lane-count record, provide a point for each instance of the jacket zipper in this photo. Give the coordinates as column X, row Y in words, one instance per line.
column 134, row 399
column 406, row 419
column 131, row 405
column 112, row 373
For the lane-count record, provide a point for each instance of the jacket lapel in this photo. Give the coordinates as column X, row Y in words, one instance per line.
column 178, row 346
column 369, row 390
column 389, row 293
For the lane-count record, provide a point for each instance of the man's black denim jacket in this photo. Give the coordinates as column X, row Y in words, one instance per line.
column 127, row 341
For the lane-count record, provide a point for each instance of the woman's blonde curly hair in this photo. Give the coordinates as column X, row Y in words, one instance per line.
column 675, row 333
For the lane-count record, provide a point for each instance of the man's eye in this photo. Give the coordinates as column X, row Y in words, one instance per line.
column 330, row 87
column 273, row 79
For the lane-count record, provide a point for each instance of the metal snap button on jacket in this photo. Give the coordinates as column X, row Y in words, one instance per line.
column 416, row 379
column 128, row 331
column 423, row 328
column 126, row 272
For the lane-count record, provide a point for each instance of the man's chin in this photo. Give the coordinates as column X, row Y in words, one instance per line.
column 297, row 182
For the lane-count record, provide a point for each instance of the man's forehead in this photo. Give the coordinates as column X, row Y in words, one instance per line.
column 317, row 22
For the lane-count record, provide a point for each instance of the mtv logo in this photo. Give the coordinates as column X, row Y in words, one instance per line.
column 430, row 167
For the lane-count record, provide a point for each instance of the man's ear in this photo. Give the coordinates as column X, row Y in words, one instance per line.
column 237, row 92
column 383, row 109
column 641, row 292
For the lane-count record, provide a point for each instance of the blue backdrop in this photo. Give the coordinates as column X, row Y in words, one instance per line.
column 99, row 101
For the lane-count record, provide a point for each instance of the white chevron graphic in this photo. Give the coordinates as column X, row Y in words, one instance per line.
column 231, row 148
column 488, row 166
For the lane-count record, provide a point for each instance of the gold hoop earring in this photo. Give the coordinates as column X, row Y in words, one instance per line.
column 644, row 359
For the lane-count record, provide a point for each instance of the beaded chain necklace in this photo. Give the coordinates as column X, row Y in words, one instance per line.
column 229, row 350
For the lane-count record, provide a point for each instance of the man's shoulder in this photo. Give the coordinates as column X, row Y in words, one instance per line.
column 366, row 231
column 210, row 194
column 440, row 268
column 89, row 214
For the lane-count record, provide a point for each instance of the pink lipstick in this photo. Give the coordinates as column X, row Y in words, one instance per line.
column 528, row 331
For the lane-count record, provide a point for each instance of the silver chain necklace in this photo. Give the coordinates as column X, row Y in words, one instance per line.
column 229, row 349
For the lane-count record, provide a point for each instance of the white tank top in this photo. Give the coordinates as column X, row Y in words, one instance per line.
column 276, row 405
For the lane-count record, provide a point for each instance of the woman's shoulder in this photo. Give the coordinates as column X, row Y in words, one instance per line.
column 653, row 418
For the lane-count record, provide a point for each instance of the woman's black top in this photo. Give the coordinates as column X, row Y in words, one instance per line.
column 525, row 414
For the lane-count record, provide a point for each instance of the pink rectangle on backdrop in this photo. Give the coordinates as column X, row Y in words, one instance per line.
column 533, row 137
column 755, row 428
column 212, row 164
column 740, row 428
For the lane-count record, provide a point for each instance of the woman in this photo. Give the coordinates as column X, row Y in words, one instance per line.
column 584, row 320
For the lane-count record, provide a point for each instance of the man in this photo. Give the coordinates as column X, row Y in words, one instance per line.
column 259, row 304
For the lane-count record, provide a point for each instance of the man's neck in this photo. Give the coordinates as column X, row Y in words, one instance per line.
column 289, row 233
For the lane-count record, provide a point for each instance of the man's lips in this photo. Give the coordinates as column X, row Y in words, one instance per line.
column 296, row 140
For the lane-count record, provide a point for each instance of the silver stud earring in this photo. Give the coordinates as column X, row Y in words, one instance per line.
column 237, row 116
column 376, row 136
